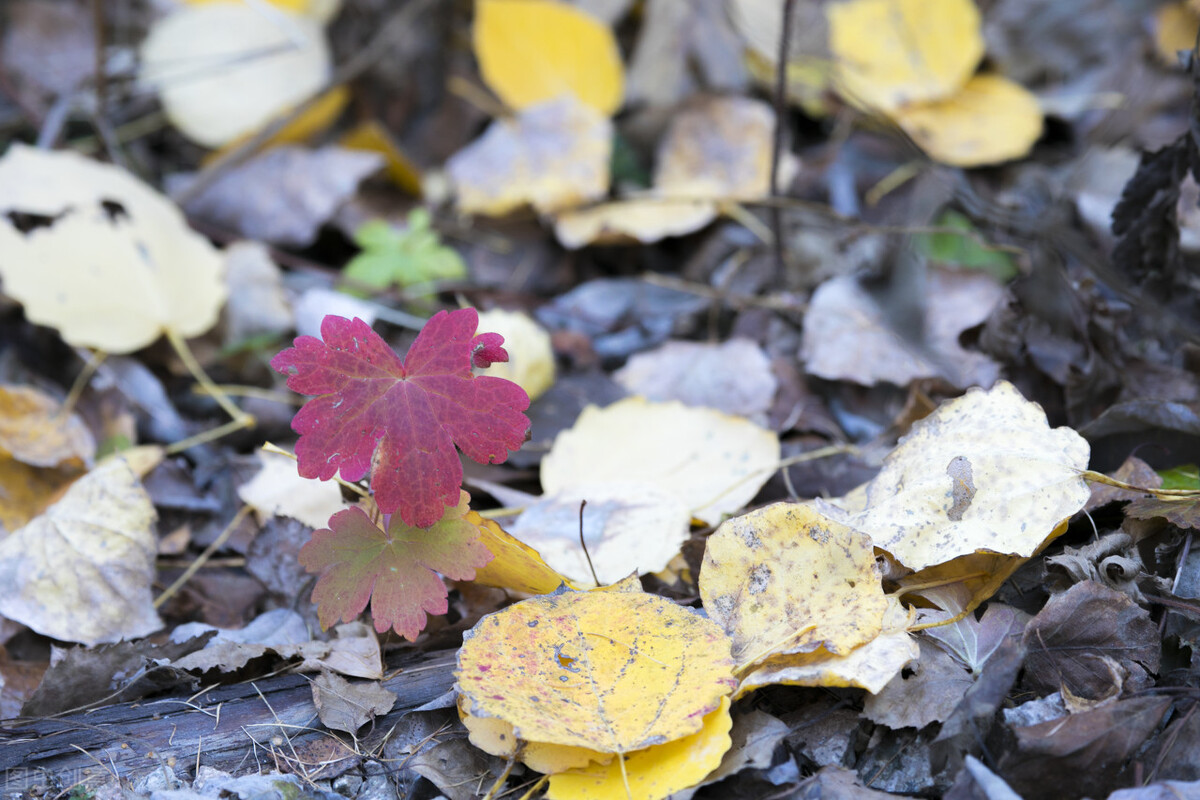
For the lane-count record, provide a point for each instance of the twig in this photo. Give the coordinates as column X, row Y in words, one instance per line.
column 400, row 22
column 170, row 591
column 777, row 145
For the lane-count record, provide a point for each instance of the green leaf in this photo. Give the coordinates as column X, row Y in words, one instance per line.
column 966, row 250
column 1184, row 476
column 402, row 258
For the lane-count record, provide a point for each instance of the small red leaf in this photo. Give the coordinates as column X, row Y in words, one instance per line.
column 405, row 415
column 396, row 570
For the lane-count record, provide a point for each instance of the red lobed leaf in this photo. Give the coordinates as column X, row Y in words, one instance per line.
column 396, row 570
column 405, row 415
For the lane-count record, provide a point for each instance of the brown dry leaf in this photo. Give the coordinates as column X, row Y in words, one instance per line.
column 82, row 571
column 552, row 156
column 1134, row 471
column 929, row 694
column 893, row 52
column 1181, row 511
column 733, row 376
column 971, row 641
column 847, row 337
column 113, row 281
column 647, row 219
column 346, row 706
column 982, row 473
column 988, row 121
column 278, row 490
column 869, row 667
column 785, row 580
column 1078, row 632
column 719, row 148
column 628, row 527
column 713, row 462
column 34, row 433
column 609, row 671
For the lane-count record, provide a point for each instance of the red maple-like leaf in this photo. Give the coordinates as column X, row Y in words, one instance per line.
column 396, row 570
column 407, row 414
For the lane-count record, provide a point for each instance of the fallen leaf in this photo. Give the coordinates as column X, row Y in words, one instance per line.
column 112, row 281
column 515, row 565
column 345, row 706
column 35, row 431
column 652, row 773
column 847, row 336
column 1073, row 637
column 928, row 694
column 715, row 463
column 407, row 415
column 967, row 250
column 889, row 53
column 530, row 362
column 223, row 70
column 402, row 258
column 973, row 641
column 733, row 376
column 258, row 305
column 1181, row 511
column 982, row 473
column 753, row 740
column 83, row 570
column 785, row 580
column 495, row 736
column 531, row 51
column 553, row 155
column 608, row 671
column 645, row 220
column 278, row 489
column 374, row 138
column 990, row 120
column 628, row 527
column 718, row 148
column 396, row 570
column 247, row 198
column 1175, row 28
column 25, row 491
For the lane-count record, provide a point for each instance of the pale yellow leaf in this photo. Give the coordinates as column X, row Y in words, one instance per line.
column 718, row 148
column 83, row 570
column 530, row 362
column 715, row 463
column 1175, row 29
column 645, row 220
column 223, row 70
column 554, row 155
column 652, row 773
column 278, row 490
column 531, row 51
column 608, row 671
column 889, row 53
column 784, row 579
column 988, row 121
column 114, row 281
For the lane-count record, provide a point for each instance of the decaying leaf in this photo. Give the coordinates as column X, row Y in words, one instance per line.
column 396, row 570
column 893, row 52
column 718, row 149
column 552, row 156
column 1027, row 482
column 990, row 120
column 646, row 220
column 652, row 773
column 35, row 431
column 494, row 735
column 713, row 462
column 531, row 51
column 346, row 706
column 785, row 580
column 278, row 489
column 112, row 281
column 530, row 362
column 82, row 571
column 608, row 671
column 25, row 491
column 224, row 70
column 628, row 527
column 734, row 376
column 928, row 694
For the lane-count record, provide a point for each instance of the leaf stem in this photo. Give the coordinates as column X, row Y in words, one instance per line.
column 238, row 419
column 1161, row 494
column 195, row 566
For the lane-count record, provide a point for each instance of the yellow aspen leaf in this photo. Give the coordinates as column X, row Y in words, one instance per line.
column 889, row 53
column 495, row 736
column 644, row 219
column 530, row 362
column 609, row 671
column 320, row 10
column 531, row 51
column 314, row 120
column 990, row 120
column 652, row 773
column 714, row 462
column 25, row 491
column 82, row 571
column 719, row 148
column 515, row 565
column 552, row 156
column 224, row 70
column 374, row 138
column 982, row 473
column 112, row 281
column 1175, row 28
column 869, row 667
column 784, row 579
column 34, row 431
